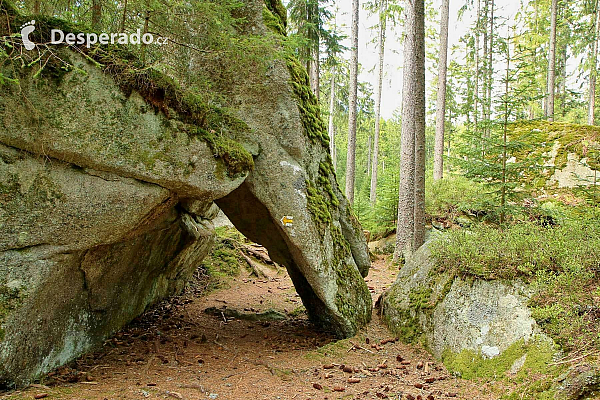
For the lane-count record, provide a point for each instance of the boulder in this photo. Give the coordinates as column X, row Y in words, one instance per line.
column 107, row 197
column 458, row 318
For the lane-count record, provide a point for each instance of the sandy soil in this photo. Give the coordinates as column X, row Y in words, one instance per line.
column 177, row 351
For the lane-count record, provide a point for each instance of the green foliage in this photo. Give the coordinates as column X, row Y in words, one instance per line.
column 455, row 195
column 224, row 260
column 561, row 263
column 212, row 123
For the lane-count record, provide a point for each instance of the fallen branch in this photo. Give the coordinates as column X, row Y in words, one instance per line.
column 575, row 359
column 357, row 347
column 257, row 254
column 256, row 270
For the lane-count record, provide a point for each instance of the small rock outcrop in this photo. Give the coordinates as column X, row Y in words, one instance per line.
column 561, row 155
column 452, row 315
column 107, row 196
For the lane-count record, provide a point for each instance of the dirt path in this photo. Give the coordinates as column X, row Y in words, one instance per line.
column 179, row 352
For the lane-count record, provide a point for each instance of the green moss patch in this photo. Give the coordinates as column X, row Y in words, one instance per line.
column 237, row 159
column 310, row 112
column 532, row 374
column 10, row 299
column 278, row 10
column 540, row 138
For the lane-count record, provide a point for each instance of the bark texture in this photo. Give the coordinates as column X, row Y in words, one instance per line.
column 440, row 119
column 351, row 156
column 411, row 200
column 552, row 63
column 381, row 42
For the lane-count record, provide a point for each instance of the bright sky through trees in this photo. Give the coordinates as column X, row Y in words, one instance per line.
column 391, row 96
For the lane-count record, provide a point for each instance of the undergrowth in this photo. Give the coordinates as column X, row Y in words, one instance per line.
column 130, row 73
column 562, row 264
column 224, row 260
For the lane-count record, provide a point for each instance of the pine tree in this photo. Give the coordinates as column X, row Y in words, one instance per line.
column 411, row 201
column 351, row 155
column 552, row 63
column 380, row 73
column 440, row 125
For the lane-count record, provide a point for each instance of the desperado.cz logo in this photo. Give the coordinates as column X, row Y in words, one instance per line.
column 59, row 37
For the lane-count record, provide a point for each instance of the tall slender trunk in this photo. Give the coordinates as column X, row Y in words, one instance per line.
column 369, row 154
column 485, row 66
column 552, row 63
column 440, row 118
column 146, row 26
column 381, row 40
column 97, row 15
column 124, row 17
column 476, row 94
column 331, row 111
column 505, row 136
column 315, row 69
column 593, row 70
column 490, row 70
column 351, row 156
column 36, row 7
column 411, row 227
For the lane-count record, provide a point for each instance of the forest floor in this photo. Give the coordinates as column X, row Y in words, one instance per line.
column 177, row 351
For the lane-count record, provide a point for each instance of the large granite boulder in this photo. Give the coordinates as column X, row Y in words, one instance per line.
column 107, row 198
column 463, row 319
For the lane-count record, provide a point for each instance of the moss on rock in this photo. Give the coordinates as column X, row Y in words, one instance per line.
column 310, row 112
column 10, row 299
column 159, row 90
column 278, row 10
column 540, row 139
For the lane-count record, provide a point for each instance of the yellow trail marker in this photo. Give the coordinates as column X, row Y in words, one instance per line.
column 287, row 220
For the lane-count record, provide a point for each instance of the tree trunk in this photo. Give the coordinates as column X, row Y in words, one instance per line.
column 351, row 156
column 315, row 69
column 369, row 155
column 411, row 200
column 485, row 67
column 476, row 95
column 124, row 17
column 593, row 70
column 440, row 118
column 97, row 15
column 552, row 63
column 381, row 40
column 36, row 7
column 505, row 137
column 490, row 71
column 331, row 111
column 146, row 26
